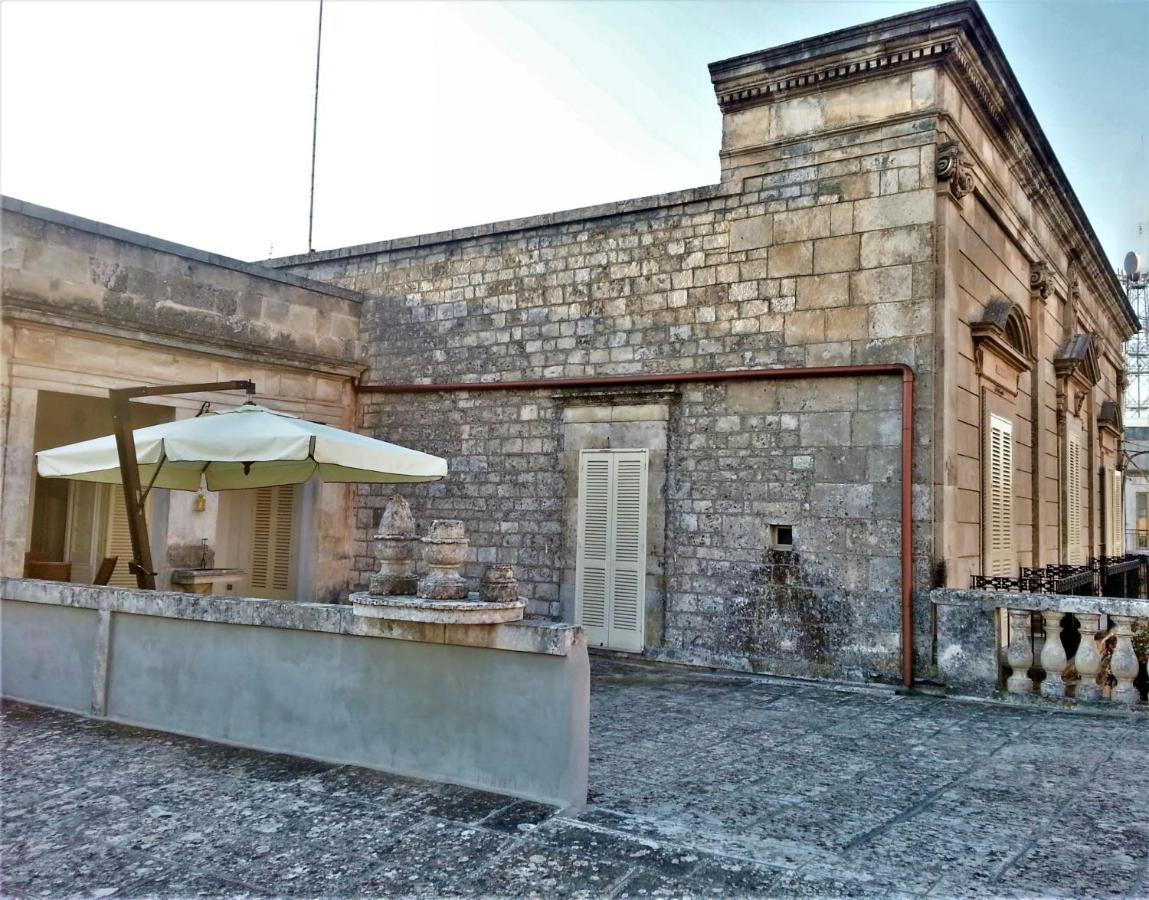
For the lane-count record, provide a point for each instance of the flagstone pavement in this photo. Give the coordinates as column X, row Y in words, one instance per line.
column 701, row 785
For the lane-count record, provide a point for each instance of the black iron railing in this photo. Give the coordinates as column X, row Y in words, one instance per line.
column 1102, row 576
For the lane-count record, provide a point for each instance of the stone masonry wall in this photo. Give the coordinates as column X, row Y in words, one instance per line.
column 824, row 257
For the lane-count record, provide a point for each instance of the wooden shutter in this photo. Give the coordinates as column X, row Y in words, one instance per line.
column 999, row 497
column 84, row 517
column 593, row 546
column 1074, row 454
column 611, row 577
column 118, row 539
column 273, row 541
column 1116, row 540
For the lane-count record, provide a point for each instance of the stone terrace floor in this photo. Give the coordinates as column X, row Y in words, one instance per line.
column 700, row 786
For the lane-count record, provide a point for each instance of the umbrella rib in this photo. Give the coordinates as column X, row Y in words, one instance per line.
column 155, row 475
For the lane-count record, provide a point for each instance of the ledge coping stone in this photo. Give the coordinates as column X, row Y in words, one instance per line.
column 1114, row 606
column 539, row 636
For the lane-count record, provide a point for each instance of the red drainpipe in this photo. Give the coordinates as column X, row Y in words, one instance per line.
column 742, row 375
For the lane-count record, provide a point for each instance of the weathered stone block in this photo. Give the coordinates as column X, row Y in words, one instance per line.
column 824, row 429
column 882, row 285
column 821, row 291
column 836, row 254
column 894, row 246
column 911, row 208
column 792, row 259
column 802, row 224
column 751, row 233
column 805, row 327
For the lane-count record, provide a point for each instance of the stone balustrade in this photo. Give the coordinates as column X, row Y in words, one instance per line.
column 1049, row 645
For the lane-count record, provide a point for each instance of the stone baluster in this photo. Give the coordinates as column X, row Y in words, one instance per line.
column 1123, row 664
column 1053, row 655
column 444, row 551
column 1087, row 660
column 1019, row 652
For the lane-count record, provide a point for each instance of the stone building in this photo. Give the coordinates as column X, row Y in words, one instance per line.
column 886, row 198
column 87, row 307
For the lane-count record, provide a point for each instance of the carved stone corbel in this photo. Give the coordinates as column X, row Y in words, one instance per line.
column 1039, row 280
column 954, row 170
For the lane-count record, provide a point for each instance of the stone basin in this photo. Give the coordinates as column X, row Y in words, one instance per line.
column 469, row 611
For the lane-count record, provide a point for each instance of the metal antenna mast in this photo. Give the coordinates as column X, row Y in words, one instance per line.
column 314, row 133
column 1136, row 284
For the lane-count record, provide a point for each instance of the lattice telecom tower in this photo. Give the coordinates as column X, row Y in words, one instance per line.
column 1136, row 283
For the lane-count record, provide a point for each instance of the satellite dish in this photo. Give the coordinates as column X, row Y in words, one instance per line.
column 1132, row 265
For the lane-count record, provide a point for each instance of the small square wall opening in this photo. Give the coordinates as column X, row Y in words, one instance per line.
column 782, row 537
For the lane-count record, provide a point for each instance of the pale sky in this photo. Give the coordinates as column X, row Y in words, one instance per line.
column 191, row 119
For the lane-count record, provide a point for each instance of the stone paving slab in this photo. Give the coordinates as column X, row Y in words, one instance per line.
column 701, row 786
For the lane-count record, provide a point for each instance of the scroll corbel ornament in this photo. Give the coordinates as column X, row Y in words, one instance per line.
column 955, row 169
column 1039, row 281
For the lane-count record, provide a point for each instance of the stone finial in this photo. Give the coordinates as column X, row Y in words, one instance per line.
column 498, row 585
column 954, row 169
column 395, row 550
column 444, row 551
column 396, row 520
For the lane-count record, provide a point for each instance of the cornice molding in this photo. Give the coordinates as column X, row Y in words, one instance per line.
column 766, row 89
column 957, row 39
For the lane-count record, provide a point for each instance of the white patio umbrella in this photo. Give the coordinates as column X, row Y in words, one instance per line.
column 247, row 447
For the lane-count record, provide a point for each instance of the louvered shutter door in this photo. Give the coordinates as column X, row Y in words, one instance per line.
column 611, row 576
column 1117, row 525
column 1073, row 502
column 272, row 542
column 629, row 551
column 999, row 507
column 593, row 546
column 118, row 541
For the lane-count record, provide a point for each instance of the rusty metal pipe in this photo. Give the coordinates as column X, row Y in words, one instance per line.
column 874, row 369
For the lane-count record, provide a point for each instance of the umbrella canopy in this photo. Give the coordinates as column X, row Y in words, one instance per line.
column 248, row 447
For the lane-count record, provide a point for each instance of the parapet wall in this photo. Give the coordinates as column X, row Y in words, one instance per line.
column 503, row 708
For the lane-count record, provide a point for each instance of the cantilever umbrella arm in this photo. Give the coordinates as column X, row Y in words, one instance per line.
column 141, row 565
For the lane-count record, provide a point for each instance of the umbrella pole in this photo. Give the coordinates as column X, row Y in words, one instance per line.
column 141, row 564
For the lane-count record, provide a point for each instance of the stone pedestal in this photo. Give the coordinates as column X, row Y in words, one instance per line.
column 444, row 551
column 395, row 550
column 498, row 585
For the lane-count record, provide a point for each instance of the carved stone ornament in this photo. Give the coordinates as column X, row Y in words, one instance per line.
column 955, row 169
column 395, row 550
column 1039, row 279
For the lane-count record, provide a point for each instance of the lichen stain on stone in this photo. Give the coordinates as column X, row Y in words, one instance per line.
column 786, row 610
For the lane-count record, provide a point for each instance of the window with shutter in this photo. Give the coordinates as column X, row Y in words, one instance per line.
column 273, row 541
column 999, row 497
column 1116, row 525
column 118, row 539
column 1073, row 502
column 611, row 574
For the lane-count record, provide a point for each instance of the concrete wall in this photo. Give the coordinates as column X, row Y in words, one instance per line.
column 502, row 708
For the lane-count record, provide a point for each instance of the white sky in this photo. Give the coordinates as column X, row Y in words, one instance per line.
column 191, row 121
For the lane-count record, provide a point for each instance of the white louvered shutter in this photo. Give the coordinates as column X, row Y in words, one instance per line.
column 118, row 539
column 611, row 576
column 593, row 546
column 1076, row 555
column 272, row 541
column 1116, row 523
column 999, row 500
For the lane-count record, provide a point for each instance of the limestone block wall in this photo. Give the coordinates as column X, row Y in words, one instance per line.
column 823, row 256
column 1006, row 239
column 57, row 265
